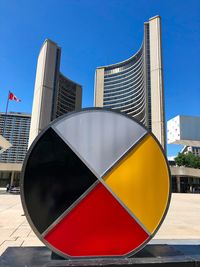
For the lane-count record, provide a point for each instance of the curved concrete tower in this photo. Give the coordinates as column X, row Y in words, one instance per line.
column 135, row 85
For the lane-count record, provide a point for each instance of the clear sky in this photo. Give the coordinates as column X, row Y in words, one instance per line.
column 92, row 33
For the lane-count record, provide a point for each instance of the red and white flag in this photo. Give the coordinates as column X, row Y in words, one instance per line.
column 13, row 97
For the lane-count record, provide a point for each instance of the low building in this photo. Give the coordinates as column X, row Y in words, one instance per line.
column 185, row 180
column 195, row 150
column 15, row 129
column 184, row 130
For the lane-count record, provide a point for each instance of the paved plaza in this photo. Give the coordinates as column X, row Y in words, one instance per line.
column 182, row 223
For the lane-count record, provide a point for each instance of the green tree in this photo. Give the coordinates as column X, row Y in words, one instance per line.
column 188, row 160
column 180, row 159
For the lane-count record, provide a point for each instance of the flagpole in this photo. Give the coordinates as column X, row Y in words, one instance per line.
column 5, row 117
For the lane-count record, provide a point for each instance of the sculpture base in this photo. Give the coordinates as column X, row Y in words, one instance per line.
column 152, row 255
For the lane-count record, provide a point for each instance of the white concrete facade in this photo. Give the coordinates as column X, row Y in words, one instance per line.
column 99, row 87
column 157, row 91
column 43, row 92
column 184, row 130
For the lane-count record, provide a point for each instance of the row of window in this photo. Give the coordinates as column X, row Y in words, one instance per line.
column 122, row 95
column 120, row 82
column 126, row 89
column 66, row 92
column 121, row 78
column 125, row 94
column 124, row 85
column 129, row 104
column 123, row 73
column 111, row 71
column 65, row 99
column 131, row 69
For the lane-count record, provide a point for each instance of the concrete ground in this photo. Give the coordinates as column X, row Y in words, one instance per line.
column 181, row 226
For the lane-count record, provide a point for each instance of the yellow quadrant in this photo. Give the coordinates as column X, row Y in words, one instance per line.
column 141, row 181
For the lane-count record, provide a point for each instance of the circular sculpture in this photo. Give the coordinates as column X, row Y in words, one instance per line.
column 95, row 183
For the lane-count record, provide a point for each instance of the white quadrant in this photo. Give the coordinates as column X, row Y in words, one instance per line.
column 99, row 137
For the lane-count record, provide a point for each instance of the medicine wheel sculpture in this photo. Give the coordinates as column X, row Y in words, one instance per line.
column 95, row 183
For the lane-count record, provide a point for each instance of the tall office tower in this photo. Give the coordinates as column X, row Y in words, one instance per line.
column 54, row 94
column 135, row 85
column 16, row 131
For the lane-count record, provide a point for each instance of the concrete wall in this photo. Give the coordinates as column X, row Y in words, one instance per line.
column 184, row 130
column 157, row 91
column 10, row 167
column 190, row 129
column 184, row 171
column 99, row 87
column 43, row 91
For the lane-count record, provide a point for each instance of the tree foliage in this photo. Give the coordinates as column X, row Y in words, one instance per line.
column 188, row 160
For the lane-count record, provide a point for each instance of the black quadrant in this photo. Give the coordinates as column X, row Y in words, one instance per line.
column 54, row 178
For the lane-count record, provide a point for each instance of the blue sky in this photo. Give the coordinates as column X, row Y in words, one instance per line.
column 99, row 32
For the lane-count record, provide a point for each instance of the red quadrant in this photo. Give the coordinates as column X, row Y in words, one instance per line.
column 97, row 226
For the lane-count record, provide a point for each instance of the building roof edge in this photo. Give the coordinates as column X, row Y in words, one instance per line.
column 70, row 79
column 11, row 113
column 123, row 61
column 155, row 17
column 49, row 41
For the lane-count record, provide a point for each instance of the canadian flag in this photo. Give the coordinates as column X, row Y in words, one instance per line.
column 13, row 97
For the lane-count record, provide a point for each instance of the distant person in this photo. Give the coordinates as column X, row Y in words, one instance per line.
column 7, row 187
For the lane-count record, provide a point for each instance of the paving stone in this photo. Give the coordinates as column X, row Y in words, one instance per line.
column 181, row 226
